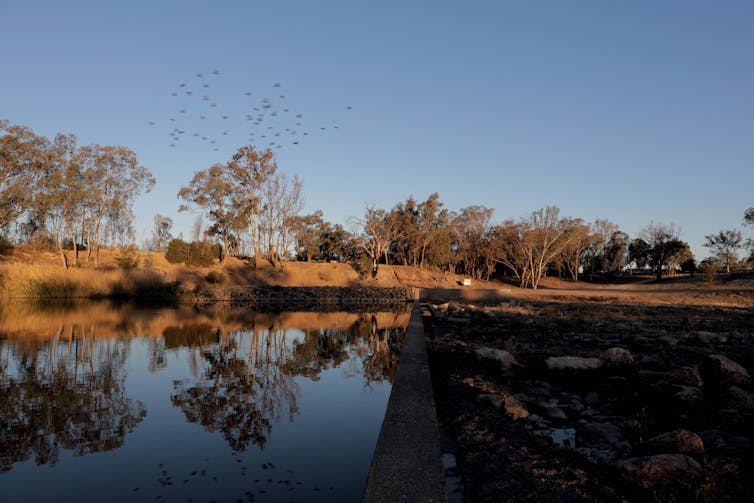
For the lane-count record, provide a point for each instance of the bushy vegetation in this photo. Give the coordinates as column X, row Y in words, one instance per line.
column 46, row 281
column 200, row 254
column 128, row 259
column 146, row 287
column 6, row 247
column 215, row 277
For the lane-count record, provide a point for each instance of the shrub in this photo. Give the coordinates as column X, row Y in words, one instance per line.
column 128, row 258
column 193, row 254
column 708, row 268
column 216, row 277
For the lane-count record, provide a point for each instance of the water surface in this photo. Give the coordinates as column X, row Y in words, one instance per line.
column 118, row 403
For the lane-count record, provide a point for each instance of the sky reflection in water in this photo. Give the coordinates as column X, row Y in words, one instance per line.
column 125, row 404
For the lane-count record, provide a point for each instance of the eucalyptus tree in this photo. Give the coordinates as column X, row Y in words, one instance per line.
column 432, row 221
column 212, row 190
column 282, row 201
column 572, row 252
column 24, row 159
column 724, row 246
column 470, row 228
column 248, row 173
column 60, row 201
column 378, row 231
column 531, row 244
column 113, row 179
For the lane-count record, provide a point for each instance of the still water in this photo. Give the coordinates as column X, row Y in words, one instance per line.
column 119, row 403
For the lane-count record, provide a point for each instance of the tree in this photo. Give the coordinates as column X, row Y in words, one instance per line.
column 725, row 245
column 471, row 242
column 749, row 220
column 212, row 191
column 282, row 202
column 249, row 171
column 378, row 232
column 307, row 232
column 593, row 258
column 749, row 216
column 161, row 234
column 579, row 240
column 616, row 252
column 541, row 237
column 113, row 179
column 24, row 158
column 659, row 247
column 432, row 226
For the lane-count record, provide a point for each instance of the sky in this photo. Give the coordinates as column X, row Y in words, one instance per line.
column 630, row 111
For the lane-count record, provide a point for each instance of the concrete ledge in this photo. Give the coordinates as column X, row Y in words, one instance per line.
column 406, row 465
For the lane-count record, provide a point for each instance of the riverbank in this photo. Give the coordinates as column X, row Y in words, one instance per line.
column 148, row 276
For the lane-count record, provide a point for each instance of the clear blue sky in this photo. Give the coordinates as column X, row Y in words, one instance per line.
column 631, row 111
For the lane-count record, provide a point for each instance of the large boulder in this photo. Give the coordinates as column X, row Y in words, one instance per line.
column 652, row 472
column 674, row 442
column 720, row 371
column 572, row 363
column 506, row 360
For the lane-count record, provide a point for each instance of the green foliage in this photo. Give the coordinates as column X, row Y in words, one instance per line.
column 215, row 277
column 200, row 254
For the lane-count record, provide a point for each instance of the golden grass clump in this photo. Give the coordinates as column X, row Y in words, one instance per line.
column 48, row 281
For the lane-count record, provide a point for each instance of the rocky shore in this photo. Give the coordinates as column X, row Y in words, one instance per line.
column 583, row 401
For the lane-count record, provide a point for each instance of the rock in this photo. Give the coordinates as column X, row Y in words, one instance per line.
column 556, row 413
column 572, row 363
column 601, row 436
column 651, row 472
column 493, row 399
column 685, row 376
column 721, row 371
column 674, row 442
column 592, row 397
column 687, row 399
column 512, row 407
column 504, row 358
column 737, row 410
column 617, row 359
column 722, row 443
column 705, row 338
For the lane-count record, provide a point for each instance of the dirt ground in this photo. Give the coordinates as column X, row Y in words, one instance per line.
column 599, row 392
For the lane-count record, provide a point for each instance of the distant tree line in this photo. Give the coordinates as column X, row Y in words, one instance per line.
column 78, row 198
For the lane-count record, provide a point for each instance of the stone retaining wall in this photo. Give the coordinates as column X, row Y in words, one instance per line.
column 325, row 298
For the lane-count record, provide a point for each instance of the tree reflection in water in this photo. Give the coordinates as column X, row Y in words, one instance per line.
column 64, row 392
column 248, row 379
column 240, row 396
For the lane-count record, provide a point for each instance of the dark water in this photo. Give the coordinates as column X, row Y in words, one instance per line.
column 103, row 403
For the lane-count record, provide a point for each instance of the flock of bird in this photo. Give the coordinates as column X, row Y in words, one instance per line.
column 266, row 120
